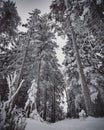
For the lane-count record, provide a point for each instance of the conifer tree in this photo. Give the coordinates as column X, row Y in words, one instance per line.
column 45, row 64
column 70, row 7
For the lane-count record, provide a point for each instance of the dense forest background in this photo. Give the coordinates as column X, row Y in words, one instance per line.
column 32, row 82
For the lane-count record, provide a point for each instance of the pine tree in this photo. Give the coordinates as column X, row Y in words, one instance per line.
column 8, row 50
column 41, row 51
column 9, row 18
column 73, row 88
column 70, row 8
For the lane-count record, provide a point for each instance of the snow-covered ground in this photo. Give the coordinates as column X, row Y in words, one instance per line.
column 68, row 124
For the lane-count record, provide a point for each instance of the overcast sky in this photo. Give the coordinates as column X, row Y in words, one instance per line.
column 26, row 6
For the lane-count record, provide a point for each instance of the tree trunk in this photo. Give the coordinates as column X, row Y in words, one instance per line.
column 85, row 90
column 67, row 98
column 20, row 74
column 38, row 87
column 53, row 113
column 3, row 88
column 45, row 105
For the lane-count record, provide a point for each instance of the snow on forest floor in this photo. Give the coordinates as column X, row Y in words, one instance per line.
column 68, row 124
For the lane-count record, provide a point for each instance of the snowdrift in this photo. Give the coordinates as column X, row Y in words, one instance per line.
column 68, row 124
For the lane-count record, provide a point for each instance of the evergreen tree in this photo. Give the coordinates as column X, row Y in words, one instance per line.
column 8, row 50
column 73, row 88
column 9, row 18
column 70, row 6
column 41, row 65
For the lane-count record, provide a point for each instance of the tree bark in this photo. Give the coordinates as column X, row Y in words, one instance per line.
column 45, row 105
column 53, row 113
column 85, row 90
column 67, row 99
column 38, row 87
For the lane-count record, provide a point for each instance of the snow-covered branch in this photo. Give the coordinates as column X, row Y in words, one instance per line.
column 11, row 79
column 15, row 93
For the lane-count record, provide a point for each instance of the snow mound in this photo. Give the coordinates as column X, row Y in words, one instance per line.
column 37, row 125
column 68, row 124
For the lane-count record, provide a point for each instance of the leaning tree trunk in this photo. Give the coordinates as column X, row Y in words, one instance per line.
column 85, row 90
column 20, row 74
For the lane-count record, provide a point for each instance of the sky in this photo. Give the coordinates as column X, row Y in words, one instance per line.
column 26, row 6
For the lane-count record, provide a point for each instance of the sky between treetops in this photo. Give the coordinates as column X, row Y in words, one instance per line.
column 26, row 6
